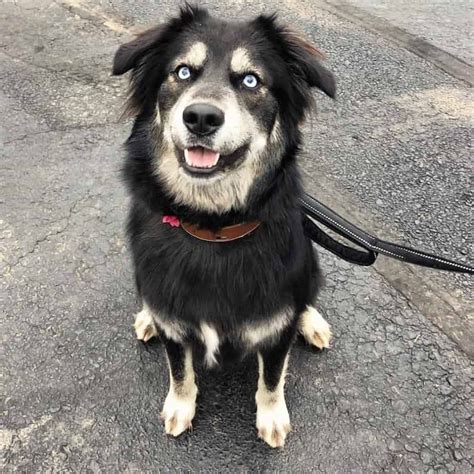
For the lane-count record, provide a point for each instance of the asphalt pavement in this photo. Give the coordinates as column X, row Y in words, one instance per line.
column 80, row 394
column 446, row 25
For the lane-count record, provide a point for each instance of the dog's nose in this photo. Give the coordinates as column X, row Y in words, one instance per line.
column 202, row 119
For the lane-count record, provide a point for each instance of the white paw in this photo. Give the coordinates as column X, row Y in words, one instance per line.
column 178, row 412
column 144, row 325
column 315, row 328
column 273, row 423
column 273, row 420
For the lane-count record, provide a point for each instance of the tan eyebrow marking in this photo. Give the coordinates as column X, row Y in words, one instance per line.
column 241, row 62
column 195, row 57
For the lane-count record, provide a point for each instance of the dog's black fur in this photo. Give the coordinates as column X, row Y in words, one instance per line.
column 227, row 285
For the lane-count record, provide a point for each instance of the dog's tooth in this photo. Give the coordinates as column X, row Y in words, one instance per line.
column 186, row 156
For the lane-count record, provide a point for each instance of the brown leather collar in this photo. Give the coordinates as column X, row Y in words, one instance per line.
column 224, row 234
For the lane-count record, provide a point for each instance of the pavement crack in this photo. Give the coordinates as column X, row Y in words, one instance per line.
column 60, row 130
column 50, row 234
column 80, row 77
column 95, row 15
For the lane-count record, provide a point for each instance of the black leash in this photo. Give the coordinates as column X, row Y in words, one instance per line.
column 317, row 211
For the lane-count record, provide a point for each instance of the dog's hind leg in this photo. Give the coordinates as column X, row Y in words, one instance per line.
column 145, row 327
column 314, row 328
column 273, row 420
column 180, row 404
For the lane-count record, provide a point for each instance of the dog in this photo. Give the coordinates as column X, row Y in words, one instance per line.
column 215, row 227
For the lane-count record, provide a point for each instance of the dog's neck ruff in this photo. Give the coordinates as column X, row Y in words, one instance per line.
column 224, row 234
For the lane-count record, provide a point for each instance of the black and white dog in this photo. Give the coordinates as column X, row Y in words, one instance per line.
column 215, row 227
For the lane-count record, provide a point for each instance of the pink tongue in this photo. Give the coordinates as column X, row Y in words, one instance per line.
column 202, row 157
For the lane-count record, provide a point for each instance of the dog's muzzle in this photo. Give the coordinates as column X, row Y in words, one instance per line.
column 199, row 155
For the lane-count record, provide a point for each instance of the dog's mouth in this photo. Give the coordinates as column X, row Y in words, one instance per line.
column 198, row 160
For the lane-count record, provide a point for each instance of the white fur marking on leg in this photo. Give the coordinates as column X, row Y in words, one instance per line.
column 211, row 341
column 256, row 333
column 144, row 325
column 180, row 404
column 147, row 323
column 173, row 329
column 314, row 328
column 273, row 420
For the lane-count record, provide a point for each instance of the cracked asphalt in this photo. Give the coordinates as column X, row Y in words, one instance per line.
column 80, row 394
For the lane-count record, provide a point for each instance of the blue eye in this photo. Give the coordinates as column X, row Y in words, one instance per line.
column 250, row 81
column 183, row 73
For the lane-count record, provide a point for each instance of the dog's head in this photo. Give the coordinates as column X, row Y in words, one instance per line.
column 225, row 100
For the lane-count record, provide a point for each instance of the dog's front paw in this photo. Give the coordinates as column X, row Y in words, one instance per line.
column 273, row 423
column 178, row 412
column 144, row 325
column 315, row 328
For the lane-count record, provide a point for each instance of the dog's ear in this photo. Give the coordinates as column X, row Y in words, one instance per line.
column 146, row 57
column 129, row 54
column 303, row 58
column 309, row 58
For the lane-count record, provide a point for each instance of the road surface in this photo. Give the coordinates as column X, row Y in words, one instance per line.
column 80, row 394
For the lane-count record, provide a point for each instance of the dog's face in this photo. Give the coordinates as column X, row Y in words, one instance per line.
column 225, row 100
